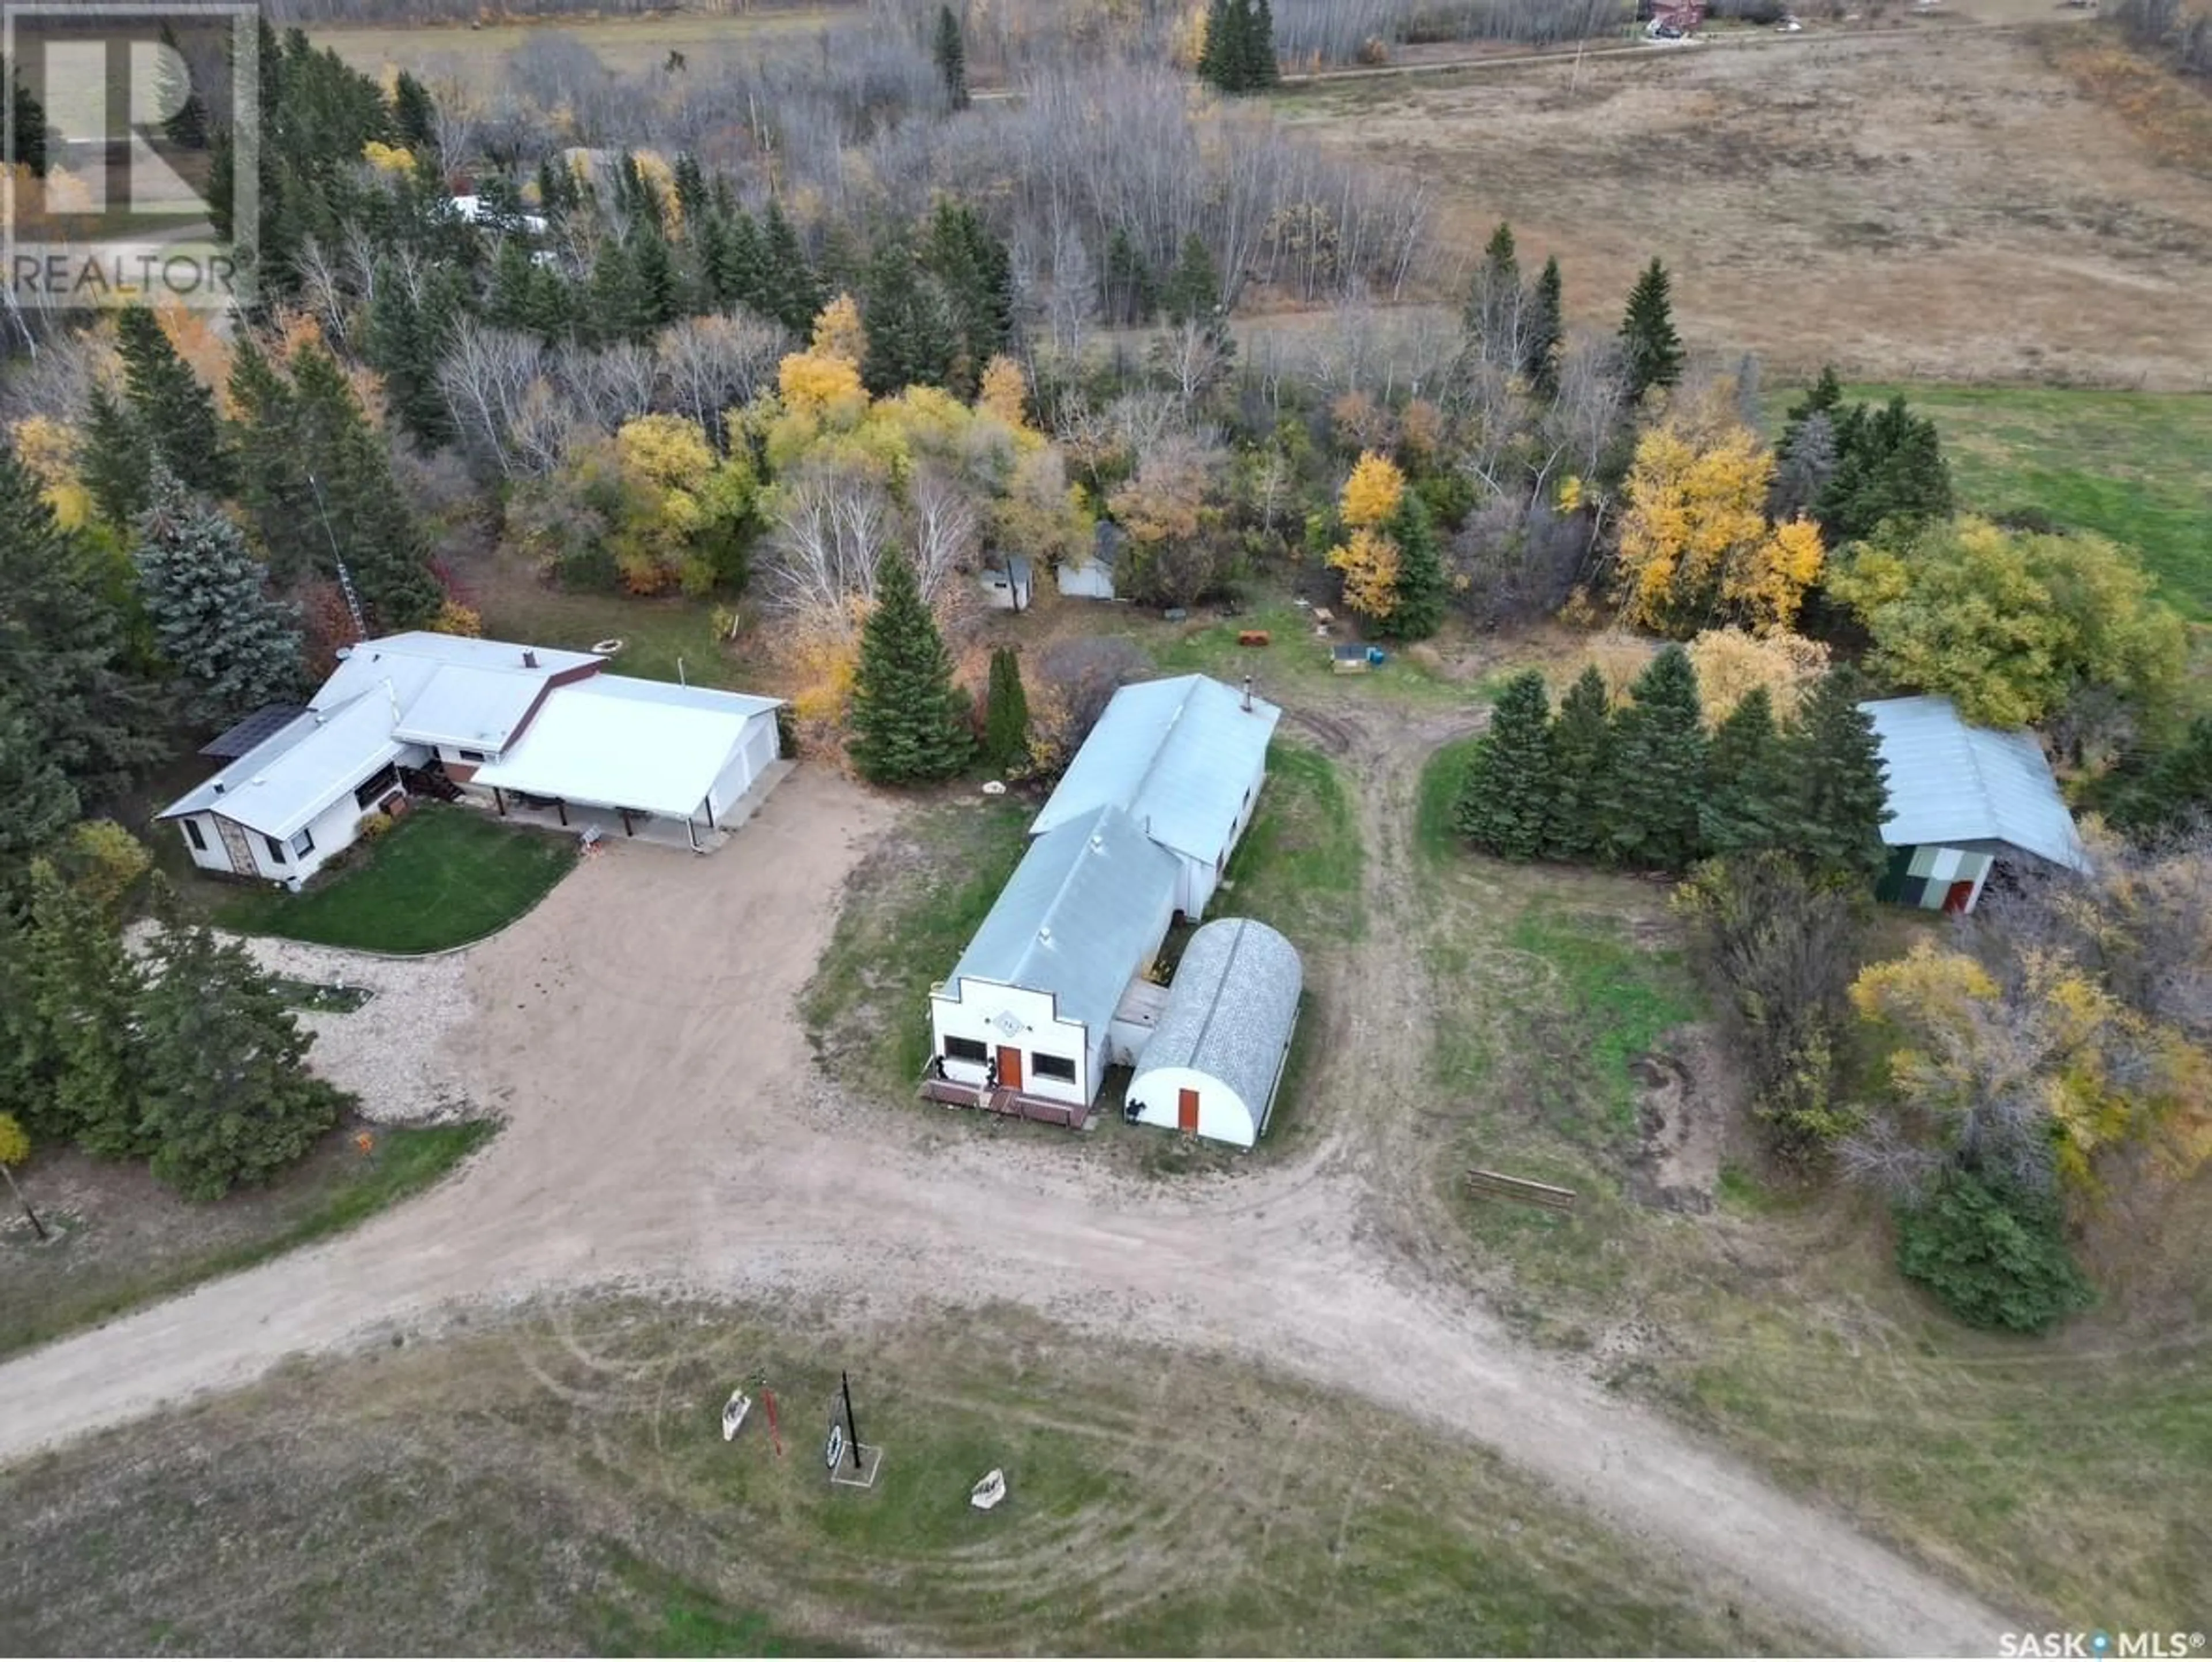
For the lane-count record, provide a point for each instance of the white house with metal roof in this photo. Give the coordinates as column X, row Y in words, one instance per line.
column 1962, row 800
column 1184, row 758
column 1215, row 1059
column 501, row 722
column 1024, row 1022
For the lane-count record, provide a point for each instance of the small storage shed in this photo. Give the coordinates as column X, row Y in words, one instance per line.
column 1005, row 584
column 1215, row 1059
column 1963, row 801
column 1092, row 576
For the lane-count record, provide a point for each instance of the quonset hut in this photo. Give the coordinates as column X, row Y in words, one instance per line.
column 1215, row 1061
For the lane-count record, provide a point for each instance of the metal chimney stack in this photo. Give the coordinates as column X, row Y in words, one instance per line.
column 1248, row 695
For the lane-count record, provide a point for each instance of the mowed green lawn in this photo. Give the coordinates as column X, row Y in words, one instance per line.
column 2137, row 466
column 442, row 877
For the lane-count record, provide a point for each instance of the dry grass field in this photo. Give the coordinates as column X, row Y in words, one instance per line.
column 1944, row 203
column 626, row 44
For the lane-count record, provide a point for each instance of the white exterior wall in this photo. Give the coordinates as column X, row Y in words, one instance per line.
column 1003, row 591
column 967, row 1009
column 1088, row 581
column 746, row 763
column 213, row 858
column 1223, row 1116
column 1200, row 875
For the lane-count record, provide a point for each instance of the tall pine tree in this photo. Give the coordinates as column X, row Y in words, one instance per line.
column 1543, row 330
column 1750, row 788
column 951, row 52
column 61, row 649
column 173, row 411
column 1505, row 802
column 223, row 1072
column 1844, row 792
column 1582, row 767
column 1650, row 811
column 910, row 722
column 1418, row 609
column 911, row 339
column 1650, row 349
column 1007, row 714
column 85, row 989
column 234, row 648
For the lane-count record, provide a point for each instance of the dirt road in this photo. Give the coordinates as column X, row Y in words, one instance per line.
column 668, row 1127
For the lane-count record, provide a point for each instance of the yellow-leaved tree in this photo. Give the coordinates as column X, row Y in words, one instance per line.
column 1367, row 558
column 1729, row 663
column 387, row 158
column 1696, row 547
column 839, row 333
column 1999, row 1074
column 14, row 1149
column 1004, row 391
column 48, row 448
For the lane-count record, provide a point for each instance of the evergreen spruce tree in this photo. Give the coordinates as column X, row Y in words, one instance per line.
column 405, row 342
column 616, row 304
column 414, row 115
column 1650, row 349
column 222, row 1069
column 1582, row 765
column 661, row 298
column 1007, row 714
column 1262, row 68
column 61, row 650
column 1495, row 301
column 357, row 499
column 85, row 989
column 41, row 802
column 234, row 648
column 1418, row 609
column 1750, row 791
column 951, row 52
column 1543, row 331
column 911, row 339
column 1213, row 57
column 1889, row 465
column 793, row 292
column 1131, row 296
column 1843, row 794
column 188, row 127
column 27, row 120
column 909, row 723
column 1192, row 290
column 1650, row 810
column 273, row 467
column 1506, row 803
column 174, row 412
column 976, row 272
column 116, row 464
column 691, row 188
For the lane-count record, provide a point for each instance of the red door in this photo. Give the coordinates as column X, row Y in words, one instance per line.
column 1187, row 1111
column 1960, row 896
column 1009, row 1067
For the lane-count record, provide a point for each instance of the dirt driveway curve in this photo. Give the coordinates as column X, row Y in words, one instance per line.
column 668, row 1127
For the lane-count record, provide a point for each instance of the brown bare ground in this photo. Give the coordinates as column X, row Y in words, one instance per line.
column 1945, row 204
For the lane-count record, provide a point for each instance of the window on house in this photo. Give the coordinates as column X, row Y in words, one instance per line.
column 1052, row 1067
column 276, row 849
column 304, row 843
column 966, row 1050
column 375, row 790
column 471, row 756
column 192, row 836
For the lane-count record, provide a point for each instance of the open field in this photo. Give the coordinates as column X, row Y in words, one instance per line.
column 2134, row 466
column 123, row 1240
column 1939, row 204
column 627, row 43
column 2069, row 1466
column 559, row 1485
column 442, row 878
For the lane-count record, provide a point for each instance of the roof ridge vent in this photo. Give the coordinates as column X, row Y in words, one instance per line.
column 1044, row 933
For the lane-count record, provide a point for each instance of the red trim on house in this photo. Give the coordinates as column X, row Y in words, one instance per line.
column 564, row 679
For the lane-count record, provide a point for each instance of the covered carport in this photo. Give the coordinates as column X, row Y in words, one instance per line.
column 637, row 752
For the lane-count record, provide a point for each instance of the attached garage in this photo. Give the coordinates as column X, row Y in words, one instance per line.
column 1215, row 1061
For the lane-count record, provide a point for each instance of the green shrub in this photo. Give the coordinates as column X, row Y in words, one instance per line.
column 588, row 569
column 1995, row 1257
column 374, row 825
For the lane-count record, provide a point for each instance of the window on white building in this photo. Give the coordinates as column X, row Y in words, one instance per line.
column 304, row 843
column 192, row 836
column 275, row 848
column 1052, row 1067
column 967, row 1050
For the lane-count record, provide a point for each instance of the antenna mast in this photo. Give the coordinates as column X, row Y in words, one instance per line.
column 345, row 577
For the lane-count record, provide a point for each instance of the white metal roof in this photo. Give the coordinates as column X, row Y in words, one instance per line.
column 287, row 779
column 1077, row 920
column 1951, row 784
column 1231, row 1010
column 1176, row 755
column 483, row 687
column 620, row 743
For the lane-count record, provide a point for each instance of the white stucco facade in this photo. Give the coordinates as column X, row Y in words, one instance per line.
column 987, row 1032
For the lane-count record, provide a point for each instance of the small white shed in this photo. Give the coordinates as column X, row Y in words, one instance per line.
column 1005, row 584
column 1091, row 577
column 1215, row 1059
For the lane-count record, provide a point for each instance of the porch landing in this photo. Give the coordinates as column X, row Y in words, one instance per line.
column 1000, row 1099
